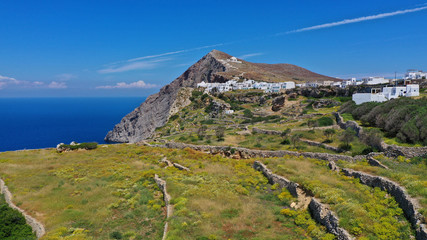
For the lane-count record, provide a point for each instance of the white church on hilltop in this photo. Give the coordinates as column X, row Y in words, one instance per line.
column 387, row 93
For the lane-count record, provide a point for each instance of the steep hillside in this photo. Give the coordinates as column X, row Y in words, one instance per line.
column 216, row 66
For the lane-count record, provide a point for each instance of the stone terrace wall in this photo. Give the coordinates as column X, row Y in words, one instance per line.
column 408, row 205
column 264, row 131
column 319, row 211
column 252, row 153
column 328, row 219
column 37, row 227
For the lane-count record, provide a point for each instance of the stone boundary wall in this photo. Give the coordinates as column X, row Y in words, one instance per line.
column 37, row 227
column 319, row 211
column 264, row 131
column 167, row 198
column 322, row 145
column 328, row 219
column 246, row 153
column 276, row 179
column 389, row 150
column 408, row 205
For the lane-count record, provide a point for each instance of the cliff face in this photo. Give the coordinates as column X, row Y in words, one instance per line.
column 155, row 111
column 216, row 66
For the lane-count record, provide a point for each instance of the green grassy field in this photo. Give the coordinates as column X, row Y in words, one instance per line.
column 365, row 212
column 109, row 193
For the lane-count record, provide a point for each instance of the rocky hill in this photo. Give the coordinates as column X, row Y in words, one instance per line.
column 216, row 66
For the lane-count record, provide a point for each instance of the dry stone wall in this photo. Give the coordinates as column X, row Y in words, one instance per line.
column 319, row 211
column 408, row 205
column 167, row 198
column 245, row 153
column 37, row 227
column 328, row 219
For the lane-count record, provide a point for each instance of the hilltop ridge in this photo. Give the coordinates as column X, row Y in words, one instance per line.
column 216, row 66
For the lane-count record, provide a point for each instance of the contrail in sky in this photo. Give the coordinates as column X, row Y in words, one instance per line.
column 312, row 28
column 355, row 20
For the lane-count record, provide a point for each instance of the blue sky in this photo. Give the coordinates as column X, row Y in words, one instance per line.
column 110, row 48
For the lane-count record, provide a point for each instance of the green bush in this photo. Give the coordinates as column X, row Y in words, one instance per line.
column 87, row 146
column 404, row 118
column 12, row 224
column 325, row 121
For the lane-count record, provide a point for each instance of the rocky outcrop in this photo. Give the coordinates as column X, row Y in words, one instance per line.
column 408, row 205
column 155, row 111
column 319, row 211
column 322, row 103
column 218, row 107
column 167, row 198
column 245, row 153
column 37, row 227
column 278, row 103
column 327, row 218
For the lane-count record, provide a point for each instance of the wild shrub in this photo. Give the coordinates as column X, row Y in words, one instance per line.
column 325, row 121
column 12, row 224
column 404, row 118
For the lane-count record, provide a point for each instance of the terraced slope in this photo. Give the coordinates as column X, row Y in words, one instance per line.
column 110, row 193
column 409, row 173
column 364, row 212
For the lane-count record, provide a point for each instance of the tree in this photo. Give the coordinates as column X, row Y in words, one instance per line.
column 328, row 133
column 295, row 139
column 312, row 124
column 201, row 132
column 372, row 138
column 285, row 135
column 347, row 137
column 219, row 133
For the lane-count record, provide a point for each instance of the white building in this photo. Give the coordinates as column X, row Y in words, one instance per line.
column 375, row 80
column 245, row 85
column 387, row 93
column 415, row 74
column 374, row 96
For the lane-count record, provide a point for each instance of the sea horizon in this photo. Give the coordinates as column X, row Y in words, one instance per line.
column 43, row 122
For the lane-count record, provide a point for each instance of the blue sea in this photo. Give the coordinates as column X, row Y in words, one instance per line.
column 29, row 123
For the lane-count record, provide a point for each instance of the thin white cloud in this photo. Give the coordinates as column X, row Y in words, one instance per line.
column 137, row 84
column 174, row 52
column 9, row 82
column 5, row 81
column 356, row 20
column 246, row 56
column 57, row 85
column 65, row 77
column 133, row 66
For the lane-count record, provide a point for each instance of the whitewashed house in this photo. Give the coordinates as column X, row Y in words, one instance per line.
column 287, row 85
column 415, row 74
column 374, row 96
column 375, row 80
column 387, row 93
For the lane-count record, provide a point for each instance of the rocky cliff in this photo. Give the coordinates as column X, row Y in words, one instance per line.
column 216, row 66
column 156, row 110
